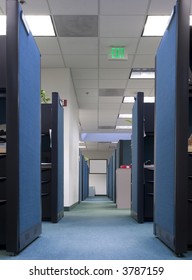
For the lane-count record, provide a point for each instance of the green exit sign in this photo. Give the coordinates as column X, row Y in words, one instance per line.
column 117, row 53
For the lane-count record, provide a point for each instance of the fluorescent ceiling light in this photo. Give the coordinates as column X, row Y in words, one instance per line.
column 125, row 116
column 40, row 25
column 142, row 74
column 128, row 99
column 149, row 99
column 2, row 25
column 123, row 127
column 155, row 25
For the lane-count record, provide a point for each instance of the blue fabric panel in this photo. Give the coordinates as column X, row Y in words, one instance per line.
column 2, row 61
column 134, row 190
column 165, row 129
column 29, row 131
column 60, row 159
column 80, row 176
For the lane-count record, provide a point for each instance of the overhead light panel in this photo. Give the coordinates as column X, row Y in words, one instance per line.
column 40, row 25
column 2, row 25
column 123, row 127
column 149, row 99
column 142, row 73
column 125, row 116
column 128, row 99
column 155, row 25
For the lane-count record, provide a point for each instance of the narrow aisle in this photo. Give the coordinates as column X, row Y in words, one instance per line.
column 96, row 230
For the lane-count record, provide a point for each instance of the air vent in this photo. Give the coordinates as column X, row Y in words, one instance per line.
column 76, row 25
column 111, row 92
column 106, row 127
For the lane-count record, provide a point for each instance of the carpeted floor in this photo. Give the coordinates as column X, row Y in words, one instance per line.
column 96, row 230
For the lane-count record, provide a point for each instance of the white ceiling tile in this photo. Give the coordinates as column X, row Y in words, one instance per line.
column 121, row 26
column 104, row 62
column 88, row 119
column 2, row 7
column 83, row 105
column 123, row 7
column 144, row 61
column 74, row 7
column 107, row 116
column 112, row 83
column 112, row 101
column 120, row 74
column 86, row 84
column 148, row 45
column 162, row 7
column 31, row 7
column 133, row 91
column 86, row 93
column 47, row 45
column 51, row 61
column 126, row 108
column 81, row 61
column 129, row 43
column 79, row 45
column 140, row 84
column 84, row 74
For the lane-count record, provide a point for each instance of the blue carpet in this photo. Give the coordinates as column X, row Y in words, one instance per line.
column 96, row 230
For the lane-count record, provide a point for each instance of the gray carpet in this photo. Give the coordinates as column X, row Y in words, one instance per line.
column 96, row 230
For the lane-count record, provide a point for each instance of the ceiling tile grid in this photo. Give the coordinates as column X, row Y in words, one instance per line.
column 85, row 32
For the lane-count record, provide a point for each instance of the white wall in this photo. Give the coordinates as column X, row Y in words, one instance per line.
column 59, row 80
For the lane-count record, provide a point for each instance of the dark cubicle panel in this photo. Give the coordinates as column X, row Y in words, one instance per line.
column 52, row 160
column 171, row 132
column 23, row 180
column 142, row 159
column 123, row 156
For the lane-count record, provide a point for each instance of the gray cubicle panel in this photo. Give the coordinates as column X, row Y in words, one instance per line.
column 171, row 131
column 23, row 208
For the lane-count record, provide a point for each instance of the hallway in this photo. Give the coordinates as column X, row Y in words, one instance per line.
column 96, row 230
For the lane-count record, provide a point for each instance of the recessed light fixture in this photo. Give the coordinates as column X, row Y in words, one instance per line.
column 123, row 127
column 125, row 116
column 155, row 25
column 147, row 99
column 128, row 99
column 2, row 25
column 40, row 25
column 142, row 73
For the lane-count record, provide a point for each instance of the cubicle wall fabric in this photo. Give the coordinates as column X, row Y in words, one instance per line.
column 57, row 158
column 29, row 129
column 171, row 128
column 137, row 159
column 23, row 133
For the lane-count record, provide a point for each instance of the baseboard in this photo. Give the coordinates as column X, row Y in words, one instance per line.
column 71, row 207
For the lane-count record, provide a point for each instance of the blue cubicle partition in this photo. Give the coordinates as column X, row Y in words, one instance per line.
column 80, row 177
column 137, row 201
column 57, row 200
column 52, row 160
column 23, row 133
column 111, row 177
column 171, row 131
column 85, row 182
